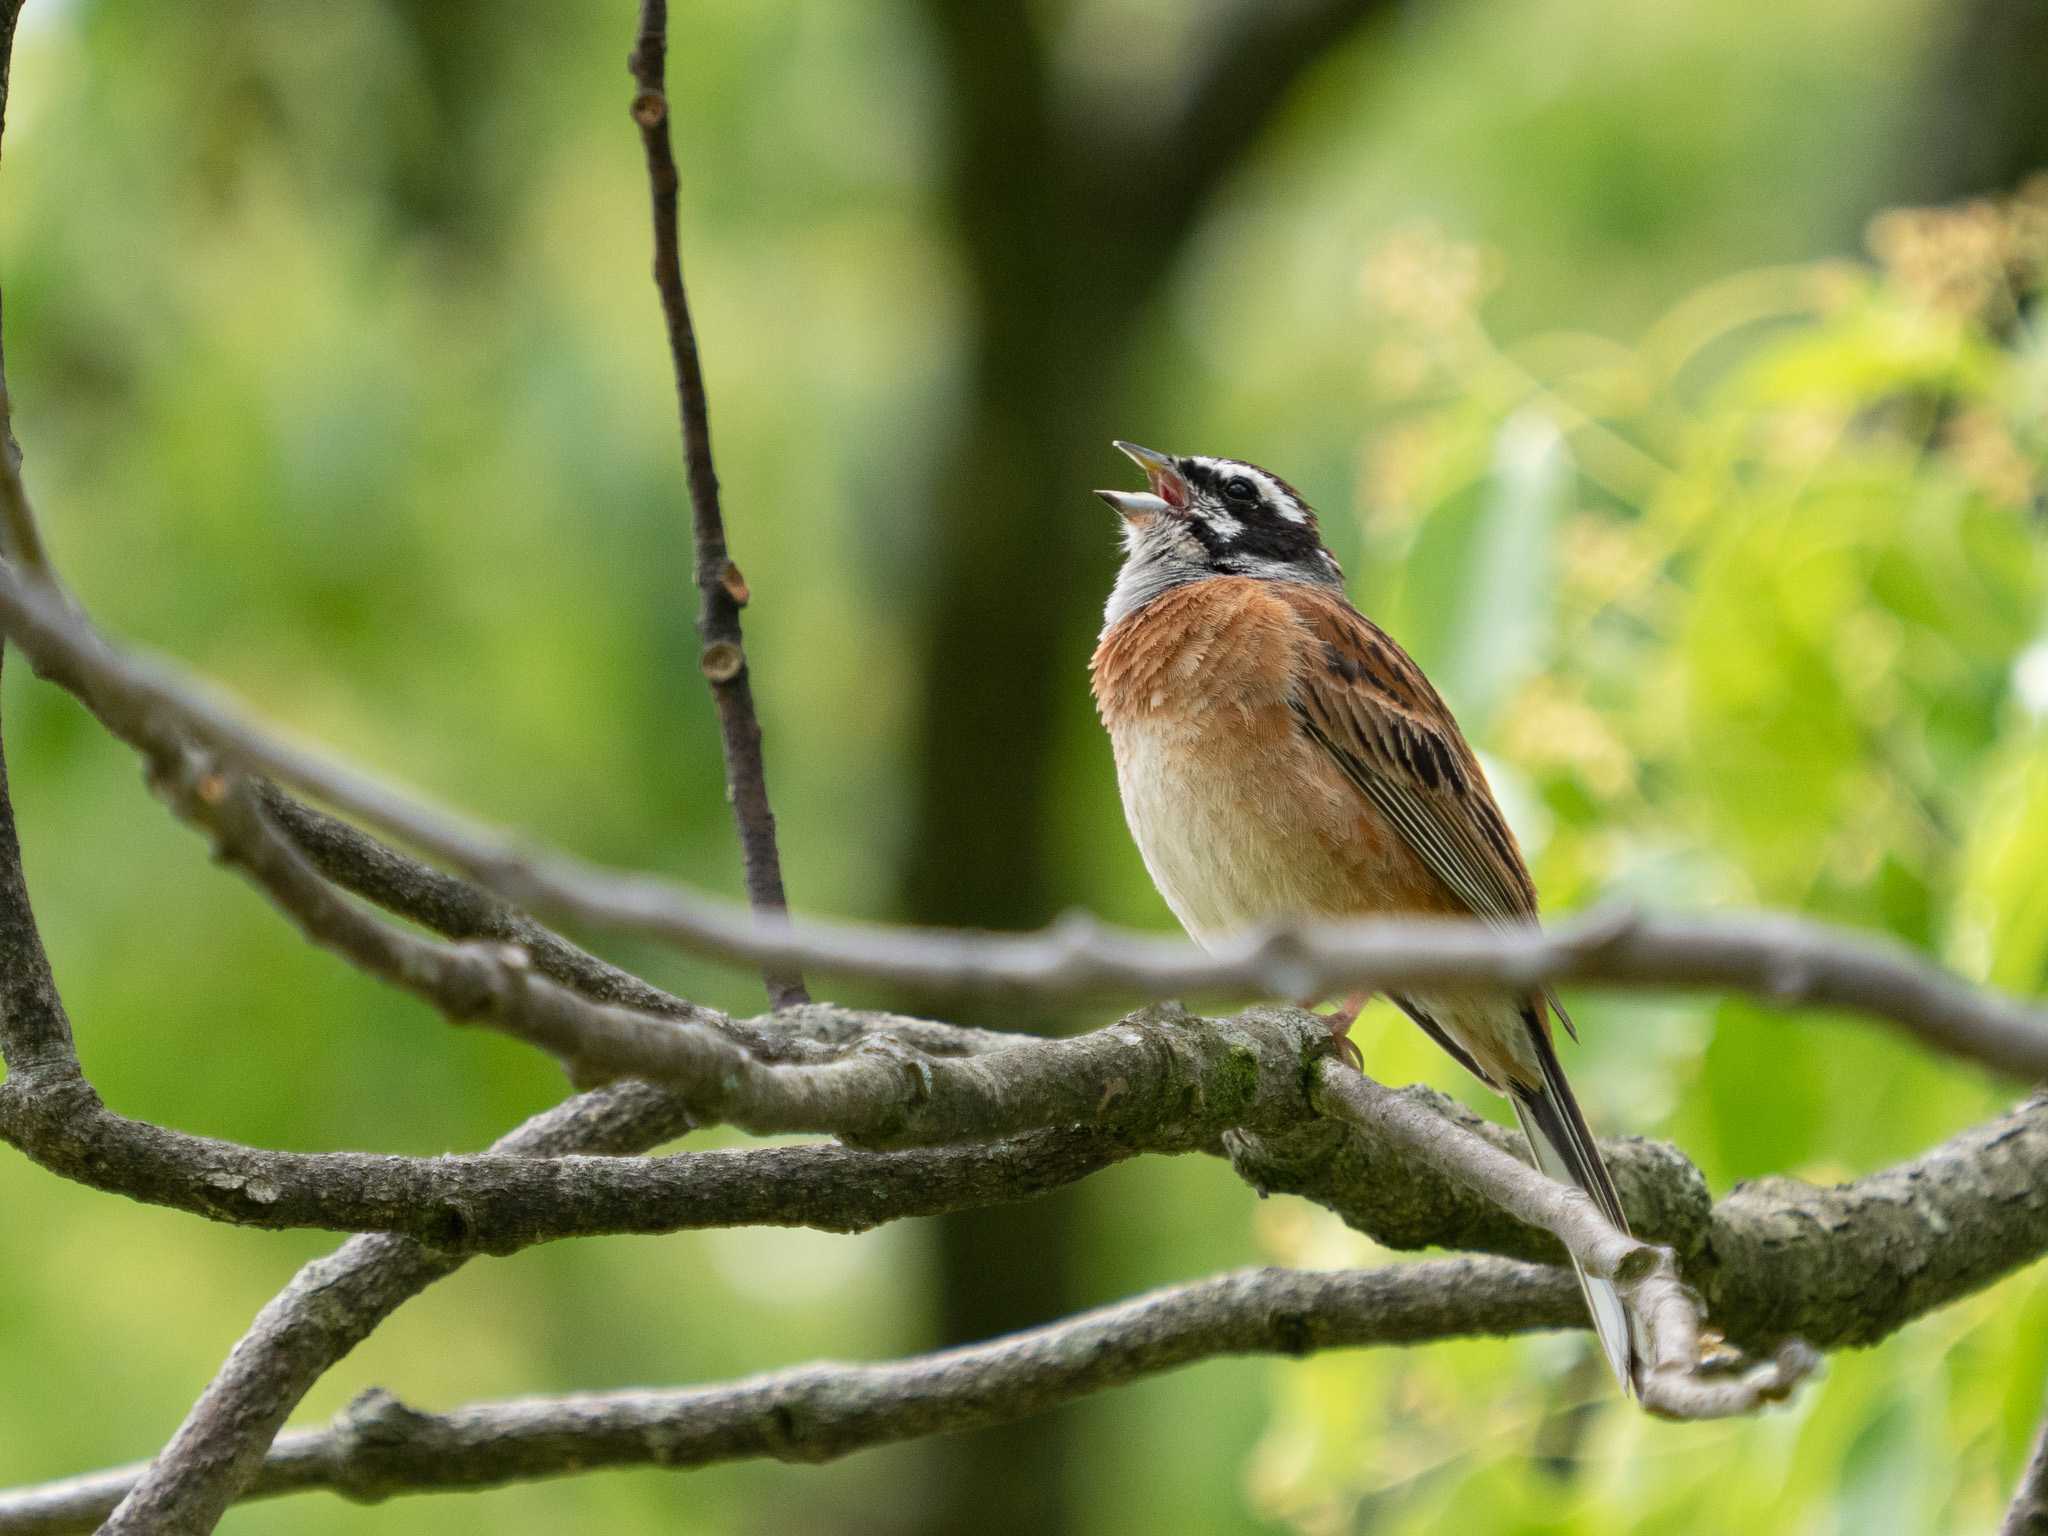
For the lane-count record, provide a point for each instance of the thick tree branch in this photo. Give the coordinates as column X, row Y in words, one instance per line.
column 1670, row 1380
column 1349, row 1170
column 378, row 1447
column 1899, row 1243
column 1846, row 1265
column 2028, row 1513
column 1777, row 958
column 1837, row 1266
column 721, row 590
column 1674, row 1352
column 492, row 1202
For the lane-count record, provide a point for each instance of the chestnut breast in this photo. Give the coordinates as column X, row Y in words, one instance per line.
column 1241, row 817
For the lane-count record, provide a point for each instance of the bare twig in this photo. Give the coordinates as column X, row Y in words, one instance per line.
column 2027, row 1515
column 35, row 1034
column 1778, row 958
column 1671, row 1382
column 454, row 908
column 10, row 450
column 721, row 590
column 378, row 1447
column 24, row 540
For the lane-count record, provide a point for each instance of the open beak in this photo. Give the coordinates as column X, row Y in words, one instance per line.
column 1169, row 491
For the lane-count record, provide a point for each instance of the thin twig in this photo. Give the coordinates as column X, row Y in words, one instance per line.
column 721, row 590
column 1779, row 958
column 2028, row 1513
column 452, row 907
column 35, row 1033
column 24, row 540
column 30, row 547
column 378, row 1447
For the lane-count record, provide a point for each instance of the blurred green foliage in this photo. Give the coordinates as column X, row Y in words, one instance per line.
column 339, row 377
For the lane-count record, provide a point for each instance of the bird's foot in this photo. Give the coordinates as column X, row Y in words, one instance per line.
column 1339, row 1021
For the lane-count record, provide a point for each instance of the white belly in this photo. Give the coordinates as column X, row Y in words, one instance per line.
column 1228, row 850
column 1234, row 850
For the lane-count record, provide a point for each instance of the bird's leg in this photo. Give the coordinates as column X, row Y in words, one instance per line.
column 1340, row 1019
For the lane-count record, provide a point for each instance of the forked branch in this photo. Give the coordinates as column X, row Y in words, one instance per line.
column 378, row 1447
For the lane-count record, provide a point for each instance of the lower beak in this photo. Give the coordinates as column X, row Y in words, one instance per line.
column 1135, row 504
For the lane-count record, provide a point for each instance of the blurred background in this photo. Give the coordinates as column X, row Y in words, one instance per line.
column 1705, row 480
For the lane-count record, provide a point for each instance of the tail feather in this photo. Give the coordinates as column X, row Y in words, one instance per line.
column 1565, row 1151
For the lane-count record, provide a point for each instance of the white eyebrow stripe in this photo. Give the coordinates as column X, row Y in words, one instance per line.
column 1270, row 490
column 1277, row 498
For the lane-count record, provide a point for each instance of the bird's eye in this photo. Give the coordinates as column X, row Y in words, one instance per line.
column 1237, row 488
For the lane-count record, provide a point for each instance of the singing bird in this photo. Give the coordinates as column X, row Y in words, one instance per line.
column 1280, row 756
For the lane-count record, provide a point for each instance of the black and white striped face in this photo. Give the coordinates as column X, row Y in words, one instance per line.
column 1212, row 517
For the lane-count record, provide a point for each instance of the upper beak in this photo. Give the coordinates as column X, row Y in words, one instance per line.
column 1169, row 491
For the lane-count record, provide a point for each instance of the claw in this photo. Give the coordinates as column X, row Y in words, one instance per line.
column 1340, row 1020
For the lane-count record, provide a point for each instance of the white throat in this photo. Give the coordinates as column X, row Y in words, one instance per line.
column 1139, row 582
column 1159, row 555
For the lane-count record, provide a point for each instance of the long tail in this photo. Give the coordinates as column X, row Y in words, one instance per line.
column 1565, row 1150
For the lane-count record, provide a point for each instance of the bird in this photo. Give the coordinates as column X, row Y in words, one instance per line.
column 1280, row 756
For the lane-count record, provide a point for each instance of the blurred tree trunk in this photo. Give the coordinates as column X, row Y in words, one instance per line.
column 1984, row 126
column 1067, row 228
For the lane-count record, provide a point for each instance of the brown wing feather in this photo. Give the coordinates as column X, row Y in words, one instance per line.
column 1393, row 736
column 1390, row 732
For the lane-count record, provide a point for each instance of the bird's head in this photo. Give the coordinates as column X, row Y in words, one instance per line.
column 1205, row 517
